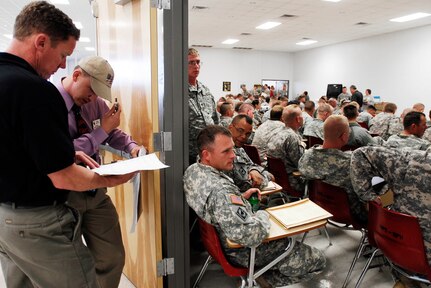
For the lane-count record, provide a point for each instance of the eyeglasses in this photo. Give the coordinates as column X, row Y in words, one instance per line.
column 242, row 131
column 195, row 62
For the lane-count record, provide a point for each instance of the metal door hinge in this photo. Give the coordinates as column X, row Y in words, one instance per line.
column 165, row 267
column 162, row 141
column 161, row 4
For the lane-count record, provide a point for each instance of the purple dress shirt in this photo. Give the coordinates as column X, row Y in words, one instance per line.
column 92, row 112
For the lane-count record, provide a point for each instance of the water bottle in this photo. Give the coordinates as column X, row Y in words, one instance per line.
column 254, row 201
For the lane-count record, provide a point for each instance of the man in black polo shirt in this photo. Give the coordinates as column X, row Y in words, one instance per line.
column 38, row 232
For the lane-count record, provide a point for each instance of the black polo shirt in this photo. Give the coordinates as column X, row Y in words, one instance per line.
column 35, row 137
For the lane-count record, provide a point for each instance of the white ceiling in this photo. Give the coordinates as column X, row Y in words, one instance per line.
column 79, row 10
column 326, row 22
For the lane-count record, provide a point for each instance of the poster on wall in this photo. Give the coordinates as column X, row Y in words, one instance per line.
column 226, row 86
column 276, row 88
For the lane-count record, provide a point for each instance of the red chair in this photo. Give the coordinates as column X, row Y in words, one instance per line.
column 399, row 237
column 363, row 125
column 253, row 153
column 334, row 200
column 313, row 141
column 276, row 167
column 212, row 244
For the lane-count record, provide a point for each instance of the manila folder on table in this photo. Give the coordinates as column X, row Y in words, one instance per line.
column 298, row 213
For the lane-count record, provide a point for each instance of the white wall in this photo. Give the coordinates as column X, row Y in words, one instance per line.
column 396, row 66
column 242, row 67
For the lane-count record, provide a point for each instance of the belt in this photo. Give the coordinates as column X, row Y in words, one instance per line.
column 16, row 205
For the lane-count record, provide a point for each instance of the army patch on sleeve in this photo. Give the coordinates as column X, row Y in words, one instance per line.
column 235, row 199
column 242, row 213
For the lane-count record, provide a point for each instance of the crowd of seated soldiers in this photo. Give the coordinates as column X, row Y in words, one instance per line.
column 284, row 129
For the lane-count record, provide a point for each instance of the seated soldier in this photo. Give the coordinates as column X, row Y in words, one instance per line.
column 407, row 175
column 245, row 173
column 331, row 165
column 315, row 127
column 366, row 116
column 386, row 123
column 218, row 201
column 226, row 112
column 266, row 131
column 359, row 136
column 287, row 144
column 411, row 137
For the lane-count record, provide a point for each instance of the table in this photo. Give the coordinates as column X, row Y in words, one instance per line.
column 277, row 231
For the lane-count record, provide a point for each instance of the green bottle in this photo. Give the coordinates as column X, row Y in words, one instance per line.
column 254, row 201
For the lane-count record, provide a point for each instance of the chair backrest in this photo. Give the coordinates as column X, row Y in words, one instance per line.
column 313, row 141
column 276, row 167
column 212, row 244
column 253, row 153
column 363, row 125
column 399, row 237
column 333, row 199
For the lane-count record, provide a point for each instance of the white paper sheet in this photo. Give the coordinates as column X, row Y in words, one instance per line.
column 136, row 190
column 147, row 162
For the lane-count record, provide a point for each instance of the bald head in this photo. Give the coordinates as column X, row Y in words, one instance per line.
column 335, row 131
column 324, row 111
column 419, row 107
column 292, row 117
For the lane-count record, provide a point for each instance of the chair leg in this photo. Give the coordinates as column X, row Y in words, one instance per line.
column 364, row 271
column 304, row 236
column 243, row 282
column 357, row 255
column 327, row 235
column 201, row 273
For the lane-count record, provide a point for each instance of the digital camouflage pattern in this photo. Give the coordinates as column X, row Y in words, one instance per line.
column 214, row 198
column 359, row 136
column 407, row 173
column 332, row 166
column 242, row 165
column 314, row 128
column 287, row 145
column 202, row 112
column 225, row 121
column 365, row 117
column 407, row 141
column 385, row 125
column 427, row 135
column 263, row 135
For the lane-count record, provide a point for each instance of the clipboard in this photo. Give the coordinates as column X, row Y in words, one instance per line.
column 298, row 213
column 271, row 188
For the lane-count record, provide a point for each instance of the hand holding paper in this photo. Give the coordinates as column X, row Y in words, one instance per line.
column 147, row 162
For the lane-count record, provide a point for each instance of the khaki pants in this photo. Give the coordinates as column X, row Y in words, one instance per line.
column 101, row 230
column 42, row 245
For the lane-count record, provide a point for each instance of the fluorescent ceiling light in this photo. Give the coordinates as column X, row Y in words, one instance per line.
column 84, row 39
column 78, row 24
column 306, row 42
column 410, row 17
column 230, row 41
column 268, row 25
column 60, row 2
column 8, row 36
column 332, row 0
column 90, row 48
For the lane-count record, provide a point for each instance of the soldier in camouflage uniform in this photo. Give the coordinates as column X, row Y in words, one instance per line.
column 359, row 136
column 427, row 135
column 407, row 173
column 315, row 127
column 331, row 165
column 411, row 137
column 386, row 123
column 218, row 201
column 202, row 108
column 245, row 173
column 287, row 144
column 226, row 112
column 266, row 131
